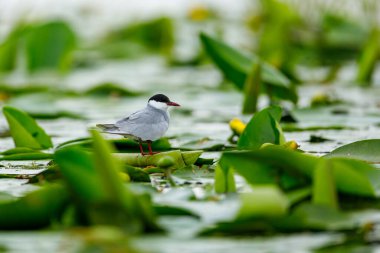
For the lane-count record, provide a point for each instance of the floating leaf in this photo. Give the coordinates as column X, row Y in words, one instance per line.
column 355, row 177
column 236, row 67
column 369, row 58
column 324, row 189
column 25, row 131
column 271, row 165
column 50, row 46
column 203, row 144
column 9, row 49
column 252, row 89
column 165, row 210
column 181, row 159
column 95, row 180
column 35, row 210
column 108, row 89
column 263, row 201
column 305, row 217
column 224, row 180
column 366, row 150
column 137, row 174
column 42, row 105
column 263, row 128
column 316, row 217
column 140, row 38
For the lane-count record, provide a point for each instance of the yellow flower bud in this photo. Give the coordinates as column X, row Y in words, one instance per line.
column 237, row 126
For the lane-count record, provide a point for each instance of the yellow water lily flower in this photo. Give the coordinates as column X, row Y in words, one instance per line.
column 237, row 126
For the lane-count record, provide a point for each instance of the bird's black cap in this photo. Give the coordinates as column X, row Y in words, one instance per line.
column 160, row 98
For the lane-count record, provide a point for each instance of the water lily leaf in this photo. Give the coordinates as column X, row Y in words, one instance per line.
column 324, row 188
column 203, row 144
column 129, row 145
column 50, row 46
column 9, row 48
column 263, row 128
column 304, row 217
column 295, row 128
column 252, row 89
column 136, row 174
column 366, row 150
column 95, row 179
column 108, row 88
column 137, row 39
column 20, row 150
column 35, row 210
column 275, row 164
column 24, row 154
column 165, row 210
column 369, row 58
column 42, row 105
column 78, row 169
column 36, row 155
column 122, row 145
column 224, row 180
column 263, row 201
column 236, row 66
column 271, row 165
column 25, row 131
column 315, row 217
column 181, row 159
column 355, row 177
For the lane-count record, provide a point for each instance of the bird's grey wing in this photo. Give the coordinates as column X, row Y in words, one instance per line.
column 139, row 117
column 145, row 124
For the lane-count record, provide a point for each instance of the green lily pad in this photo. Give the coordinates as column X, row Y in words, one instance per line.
column 366, row 150
column 264, row 127
column 35, row 210
column 181, row 159
column 25, row 131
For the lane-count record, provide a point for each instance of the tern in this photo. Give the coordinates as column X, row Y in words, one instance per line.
column 146, row 125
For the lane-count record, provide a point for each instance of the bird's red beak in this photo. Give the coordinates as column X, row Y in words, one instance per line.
column 172, row 104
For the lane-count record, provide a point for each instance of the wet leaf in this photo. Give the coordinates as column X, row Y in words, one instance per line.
column 369, row 58
column 324, row 189
column 252, row 89
column 165, row 210
column 95, row 180
column 271, row 165
column 317, row 218
column 35, row 210
column 224, row 180
column 42, row 105
column 366, row 150
column 137, row 174
column 25, row 131
column 355, row 177
column 203, row 144
column 140, row 38
column 236, row 67
column 263, row 128
column 9, row 49
column 181, row 159
column 50, row 46
column 110, row 89
column 122, row 145
column 263, row 201
column 36, row 155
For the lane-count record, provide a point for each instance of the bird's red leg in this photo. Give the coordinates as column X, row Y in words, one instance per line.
column 150, row 148
column 141, row 148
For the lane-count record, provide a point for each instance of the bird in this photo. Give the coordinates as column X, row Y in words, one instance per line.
column 146, row 125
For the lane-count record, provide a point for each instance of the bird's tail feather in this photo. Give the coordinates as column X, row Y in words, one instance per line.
column 107, row 127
